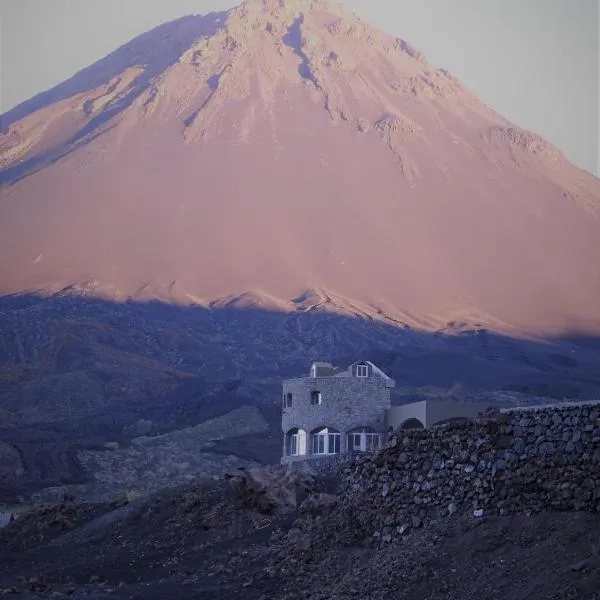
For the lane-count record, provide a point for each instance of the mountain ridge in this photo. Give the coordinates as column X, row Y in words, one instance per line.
column 289, row 146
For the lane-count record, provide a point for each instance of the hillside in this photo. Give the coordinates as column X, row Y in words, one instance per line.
column 229, row 197
column 102, row 396
column 396, row 524
column 281, row 147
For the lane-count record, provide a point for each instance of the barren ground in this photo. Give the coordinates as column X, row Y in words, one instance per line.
column 203, row 542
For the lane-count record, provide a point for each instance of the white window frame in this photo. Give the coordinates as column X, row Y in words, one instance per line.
column 368, row 440
column 334, row 439
column 372, row 437
column 295, row 444
column 318, row 442
column 352, row 438
column 326, row 440
column 296, row 441
column 360, row 369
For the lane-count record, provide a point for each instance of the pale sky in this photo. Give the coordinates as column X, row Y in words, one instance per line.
column 534, row 61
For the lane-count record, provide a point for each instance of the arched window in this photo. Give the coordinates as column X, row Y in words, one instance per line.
column 325, row 441
column 412, row 423
column 295, row 442
column 363, row 439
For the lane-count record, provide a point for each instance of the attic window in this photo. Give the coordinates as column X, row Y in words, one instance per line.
column 362, row 371
column 316, row 398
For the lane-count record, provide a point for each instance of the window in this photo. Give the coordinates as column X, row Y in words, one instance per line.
column 334, row 443
column 354, row 442
column 294, row 445
column 371, row 441
column 318, row 444
column 316, row 398
column 295, row 442
column 362, row 370
column 326, row 441
column 363, row 440
column 313, row 371
column 287, row 400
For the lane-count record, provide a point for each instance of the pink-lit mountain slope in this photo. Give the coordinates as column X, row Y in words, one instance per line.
column 288, row 154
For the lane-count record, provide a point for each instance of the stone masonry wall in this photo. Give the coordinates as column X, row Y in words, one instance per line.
column 520, row 461
column 347, row 403
column 331, row 465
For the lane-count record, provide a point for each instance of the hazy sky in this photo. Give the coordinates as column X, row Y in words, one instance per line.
column 534, row 61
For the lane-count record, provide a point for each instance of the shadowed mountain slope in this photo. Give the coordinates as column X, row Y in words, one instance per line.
column 179, row 391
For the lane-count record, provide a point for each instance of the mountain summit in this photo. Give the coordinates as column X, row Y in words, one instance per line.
column 285, row 150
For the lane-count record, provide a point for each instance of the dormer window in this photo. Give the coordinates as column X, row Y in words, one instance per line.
column 316, row 398
column 362, row 370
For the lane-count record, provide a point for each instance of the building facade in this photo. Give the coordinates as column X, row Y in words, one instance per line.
column 334, row 411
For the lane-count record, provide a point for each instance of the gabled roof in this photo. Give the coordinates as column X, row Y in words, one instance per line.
column 376, row 369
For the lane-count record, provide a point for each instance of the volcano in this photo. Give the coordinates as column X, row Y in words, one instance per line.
column 289, row 155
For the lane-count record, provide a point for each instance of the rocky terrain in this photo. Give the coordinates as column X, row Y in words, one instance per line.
column 100, row 398
column 281, row 534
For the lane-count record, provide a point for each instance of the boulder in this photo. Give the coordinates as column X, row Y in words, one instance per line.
column 273, row 488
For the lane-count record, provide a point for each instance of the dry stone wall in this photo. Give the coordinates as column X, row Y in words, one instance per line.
column 518, row 461
column 331, row 465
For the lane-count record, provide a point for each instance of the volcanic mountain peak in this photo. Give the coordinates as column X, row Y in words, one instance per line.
column 279, row 7
column 305, row 27
column 257, row 49
column 265, row 48
column 245, row 157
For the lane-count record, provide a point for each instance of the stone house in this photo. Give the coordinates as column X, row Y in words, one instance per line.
column 345, row 410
